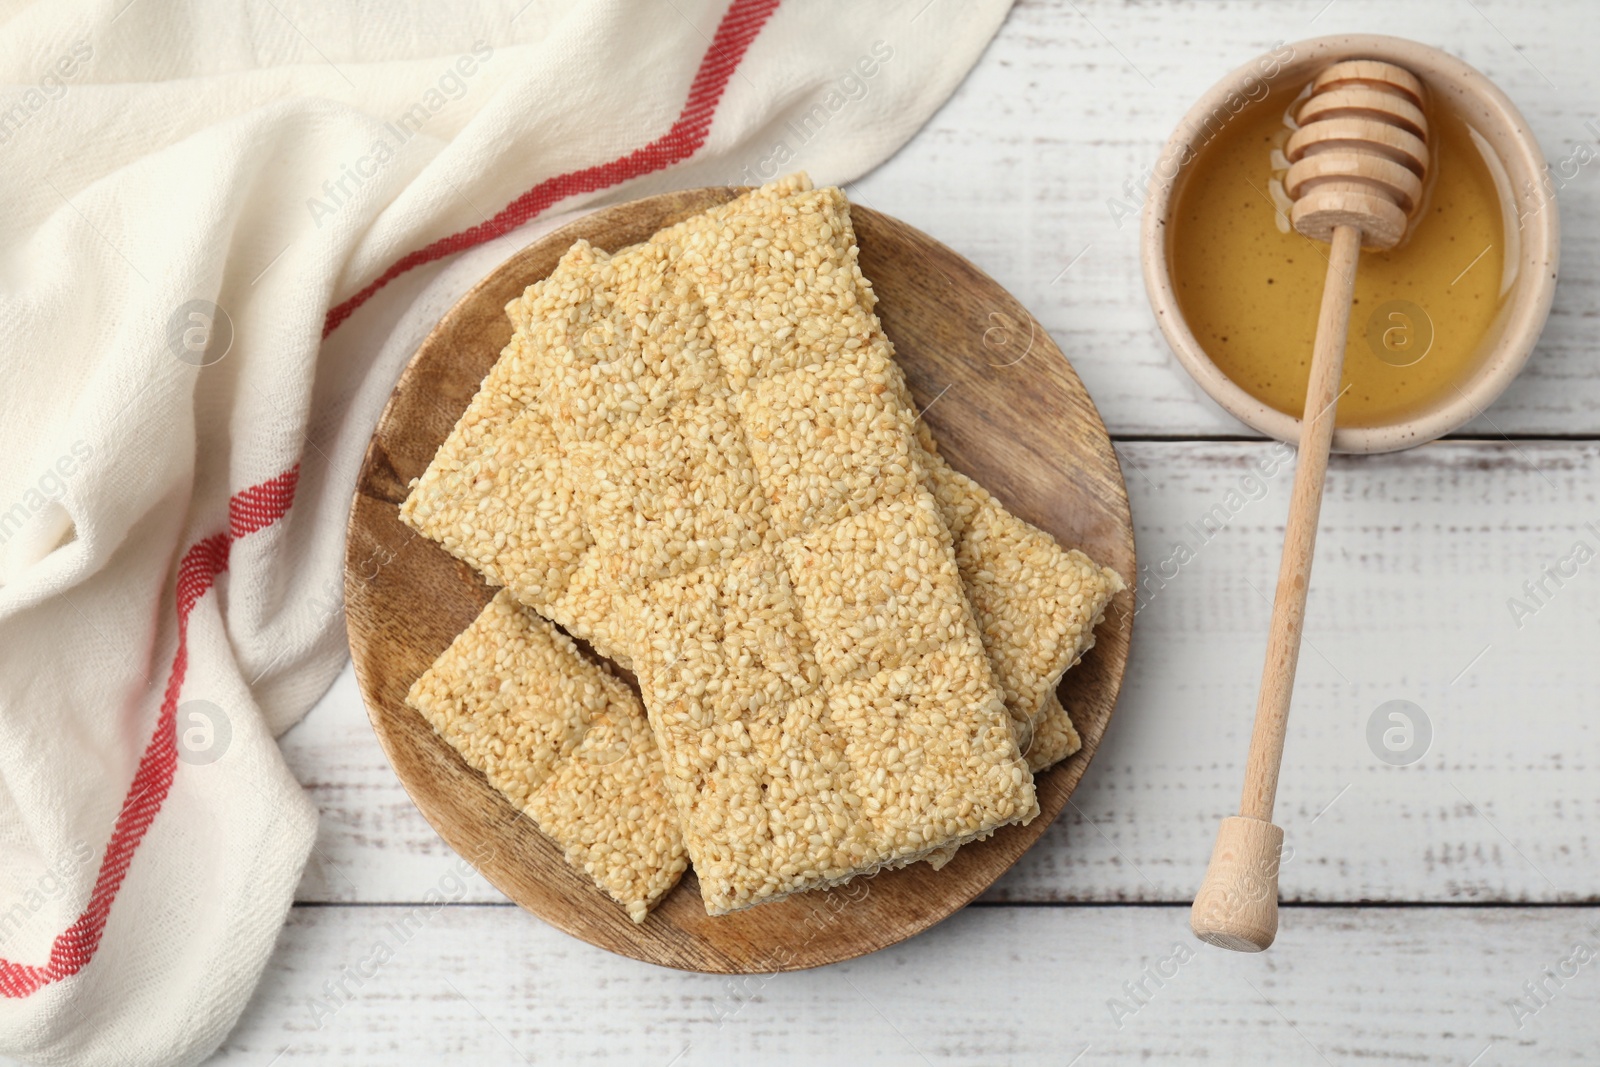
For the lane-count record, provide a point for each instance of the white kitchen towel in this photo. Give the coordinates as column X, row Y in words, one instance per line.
column 219, row 221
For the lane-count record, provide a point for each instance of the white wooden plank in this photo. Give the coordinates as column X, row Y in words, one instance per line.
column 1073, row 101
column 1418, row 556
column 992, row 985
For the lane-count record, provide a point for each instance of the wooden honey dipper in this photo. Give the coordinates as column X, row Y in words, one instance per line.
column 1357, row 162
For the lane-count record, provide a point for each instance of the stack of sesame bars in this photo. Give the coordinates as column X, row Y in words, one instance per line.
column 698, row 456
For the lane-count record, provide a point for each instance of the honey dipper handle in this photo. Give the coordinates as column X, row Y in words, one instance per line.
column 1237, row 906
column 1300, row 534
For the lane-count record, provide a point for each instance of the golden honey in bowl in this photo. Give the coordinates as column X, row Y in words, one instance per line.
column 1249, row 286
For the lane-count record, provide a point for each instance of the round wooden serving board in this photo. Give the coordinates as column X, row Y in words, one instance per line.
column 1006, row 408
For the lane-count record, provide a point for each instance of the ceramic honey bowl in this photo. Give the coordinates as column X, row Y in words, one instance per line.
column 1440, row 324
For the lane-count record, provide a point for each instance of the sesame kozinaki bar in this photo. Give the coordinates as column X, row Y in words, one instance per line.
column 809, row 662
column 565, row 741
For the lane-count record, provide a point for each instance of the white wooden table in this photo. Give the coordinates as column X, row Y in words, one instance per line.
column 1419, row 899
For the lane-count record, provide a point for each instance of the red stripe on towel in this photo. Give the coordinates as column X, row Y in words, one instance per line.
column 249, row 510
column 739, row 26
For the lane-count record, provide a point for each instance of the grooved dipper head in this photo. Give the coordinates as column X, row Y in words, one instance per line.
column 1360, row 154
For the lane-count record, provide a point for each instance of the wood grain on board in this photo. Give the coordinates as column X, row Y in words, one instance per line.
column 1007, row 409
